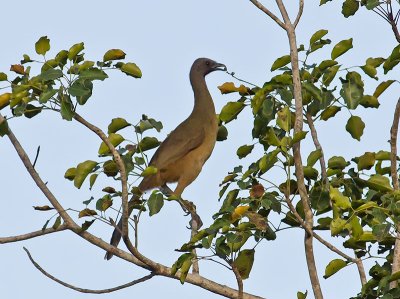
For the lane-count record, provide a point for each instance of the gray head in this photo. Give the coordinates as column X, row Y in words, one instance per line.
column 204, row 66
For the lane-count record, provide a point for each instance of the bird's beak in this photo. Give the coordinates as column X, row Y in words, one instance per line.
column 220, row 67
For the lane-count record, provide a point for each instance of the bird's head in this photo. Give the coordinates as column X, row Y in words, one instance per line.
column 204, row 66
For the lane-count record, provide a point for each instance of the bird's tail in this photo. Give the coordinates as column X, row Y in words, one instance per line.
column 116, row 236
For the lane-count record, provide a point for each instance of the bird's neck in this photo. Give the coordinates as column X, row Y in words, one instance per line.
column 203, row 103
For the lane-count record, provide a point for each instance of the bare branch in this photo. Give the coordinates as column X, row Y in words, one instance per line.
column 395, row 182
column 269, row 13
column 38, row 233
column 239, row 281
column 361, row 271
column 103, row 291
column 298, row 127
column 121, row 167
column 301, row 8
column 37, row 179
column 36, row 157
column 318, row 146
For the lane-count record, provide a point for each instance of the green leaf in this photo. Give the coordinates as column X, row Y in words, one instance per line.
column 66, row 110
column 366, row 161
column 222, row 133
column 341, row 47
column 355, row 126
column 47, row 95
column 244, row 262
column 155, row 203
column 328, row 76
column 82, row 171
column 117, row 124
column 382, row 87
column 244, row 150
column 379, row 183
column 104, row 203
column 57, row 223
column 313, row 157
column 92, row 180
column 230, row 111
column 271, row 137
column 31, row 111
column 150, row 170
column 114, row 54
column 369, row 102
column 280, row 62
column 381, row 231
column 110, row 168
column 356, row 228
column 334, row 266
column 370, row 71
column 392, row 60
column 313, row 90
column 78, row 89
column 353, row 90
column 50, row 74
column 310, row 173
column 3, row 128
column 70, row 173
column 42, row 45
column 298, row 137
column 3, row 76
column 74, row 50
column 330, row 112
column 115, row 139
column 284, row 120
column 131, row 69
column 338, row 199
column 268, row 161
column 337, row 225
column 87, row 224
column 86, row 212
column 350, row 7
column 93, row 74
column 337, row 162
column 375, row 62
column 326, row 64
column 371, row 4
column 301, row 295
column 147, row 143
column 317, row 36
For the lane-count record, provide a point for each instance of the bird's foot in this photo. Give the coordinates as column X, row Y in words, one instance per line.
column 190, row 208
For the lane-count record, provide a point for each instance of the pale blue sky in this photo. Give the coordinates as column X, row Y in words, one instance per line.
column 164, row 38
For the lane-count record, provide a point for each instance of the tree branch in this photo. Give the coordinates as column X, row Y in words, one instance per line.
column 318, row 146
column 121, row 167
column 239, row 281
column 38, row 233
column 301, row 8
column 298, row 126
column 269, row 13
column 395, row 182
column 103, row 291
column 37, row 179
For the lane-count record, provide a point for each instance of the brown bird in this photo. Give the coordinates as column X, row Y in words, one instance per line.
column 181, row 156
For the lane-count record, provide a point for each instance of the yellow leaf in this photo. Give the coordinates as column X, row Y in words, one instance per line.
column 5, row 100
column 239, row 211
column 229, row 87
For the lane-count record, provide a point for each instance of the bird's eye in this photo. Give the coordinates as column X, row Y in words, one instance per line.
column 207, row 63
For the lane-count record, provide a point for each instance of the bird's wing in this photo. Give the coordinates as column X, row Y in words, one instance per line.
column 181, row 141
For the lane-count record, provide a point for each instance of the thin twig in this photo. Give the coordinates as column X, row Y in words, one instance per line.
column 395, row 182
column 361, row 271
column 301, row 8
column 269, row 13
column 38, row 233
column 89, row 291
column 37, row 156
column 318, row 146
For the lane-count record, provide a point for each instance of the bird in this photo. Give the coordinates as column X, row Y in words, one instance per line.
column 181, row 156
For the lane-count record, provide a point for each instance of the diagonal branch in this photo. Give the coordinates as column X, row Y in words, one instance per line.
column 318, row 146
column 103, row 291
column 301, row 8
column 38, row 233
column 395, row 181
column 37, row 179
column 269, row 13
column 121, row 167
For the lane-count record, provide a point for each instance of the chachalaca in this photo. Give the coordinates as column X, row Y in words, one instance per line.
column 181, row 156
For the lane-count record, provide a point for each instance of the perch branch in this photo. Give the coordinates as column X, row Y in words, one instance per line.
column 395, row 181
column 38, row 233
column 299, row 14
column 90, row 291
column 239, row 281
